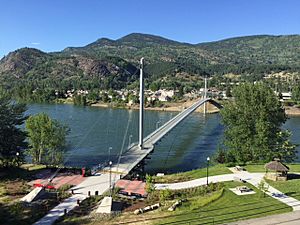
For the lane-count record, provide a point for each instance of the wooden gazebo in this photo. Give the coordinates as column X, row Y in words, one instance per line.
column 276, row 170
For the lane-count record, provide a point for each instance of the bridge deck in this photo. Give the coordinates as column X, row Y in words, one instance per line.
column 133, row 156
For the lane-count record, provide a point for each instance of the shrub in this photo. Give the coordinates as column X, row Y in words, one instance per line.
column 149, row 184
column 165, row 195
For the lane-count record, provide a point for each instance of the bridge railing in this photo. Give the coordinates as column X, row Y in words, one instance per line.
column 186, row 111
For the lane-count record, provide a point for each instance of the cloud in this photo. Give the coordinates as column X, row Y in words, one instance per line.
column 35, row 43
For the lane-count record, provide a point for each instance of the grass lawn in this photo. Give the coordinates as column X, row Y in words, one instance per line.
column 229, row 207
column 220, row 207
column 218, row 169
column 258, row 168
column 289, row 187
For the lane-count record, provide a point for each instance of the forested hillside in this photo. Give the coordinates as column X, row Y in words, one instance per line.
column 113, row 64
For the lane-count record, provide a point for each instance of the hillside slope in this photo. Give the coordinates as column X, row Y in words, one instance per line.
column 113, row 63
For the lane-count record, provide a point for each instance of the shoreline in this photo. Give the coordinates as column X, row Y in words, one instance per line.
column 179, row 106
column 170, row 107
column 292, row 111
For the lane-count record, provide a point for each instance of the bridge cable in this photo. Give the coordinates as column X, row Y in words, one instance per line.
column 76, row 147
column 124, row 141
column 79, row 144
column 173, row 142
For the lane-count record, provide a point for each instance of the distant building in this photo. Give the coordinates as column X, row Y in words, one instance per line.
column 161, row 95
column 286, row 95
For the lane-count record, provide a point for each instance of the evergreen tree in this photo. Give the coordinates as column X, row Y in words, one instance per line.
column 253, row 125
column 12, row 138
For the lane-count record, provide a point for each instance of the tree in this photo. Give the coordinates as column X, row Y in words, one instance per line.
column 263, row 187
column 47, row 139
column 12, row 138
column 296, row 93
column 228, row 92
column 104, row 97
column 220, row 156
column 154, row 86
column 79, row 100
column 253, row 123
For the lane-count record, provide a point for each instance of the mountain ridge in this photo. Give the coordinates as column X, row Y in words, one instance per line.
column 116, row 60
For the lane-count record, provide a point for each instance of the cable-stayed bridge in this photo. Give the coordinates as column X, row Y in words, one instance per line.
column 136, row 154
column 127, row 160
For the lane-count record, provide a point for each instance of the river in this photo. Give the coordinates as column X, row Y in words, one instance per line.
column 93, row 131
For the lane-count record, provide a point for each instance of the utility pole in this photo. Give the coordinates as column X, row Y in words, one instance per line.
column 141, row 118
column 205, row 92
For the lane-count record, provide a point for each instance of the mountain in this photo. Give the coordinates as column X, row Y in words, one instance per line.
column 109, row 63
column 21, row 61
column 261, row 49
column 35, row 66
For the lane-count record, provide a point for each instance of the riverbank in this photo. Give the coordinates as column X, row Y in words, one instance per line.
column 167, row 107
column 179, row 106
column 292, row 111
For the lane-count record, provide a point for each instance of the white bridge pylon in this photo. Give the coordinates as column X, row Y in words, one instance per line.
column 137, row 153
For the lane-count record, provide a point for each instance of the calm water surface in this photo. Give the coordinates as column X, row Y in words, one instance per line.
column 94, row 130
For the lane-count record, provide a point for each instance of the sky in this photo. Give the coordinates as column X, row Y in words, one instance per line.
column 52, row 25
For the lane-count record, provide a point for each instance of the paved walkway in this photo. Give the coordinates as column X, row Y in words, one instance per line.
column 90, row 184
column 255, row 179
column 101, row 184
column 292, row 218
column 196, row 182
column 252, row 178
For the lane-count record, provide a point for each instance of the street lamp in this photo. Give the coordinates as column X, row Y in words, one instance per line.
column 109, row 151
column 17, row 154
column 157, row 124
column 110, row 190
column 129, row 141
column 207, row 170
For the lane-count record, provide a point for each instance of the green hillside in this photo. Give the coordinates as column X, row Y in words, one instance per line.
column 109, row 63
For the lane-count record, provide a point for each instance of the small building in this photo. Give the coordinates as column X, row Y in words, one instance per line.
column 276, row 170
column 286, row 96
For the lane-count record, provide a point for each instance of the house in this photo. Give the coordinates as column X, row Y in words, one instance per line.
column 286, row 96
column 161, row 95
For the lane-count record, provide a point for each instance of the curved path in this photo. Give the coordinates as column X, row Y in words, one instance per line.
column 196, row 182
column 252, row 178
